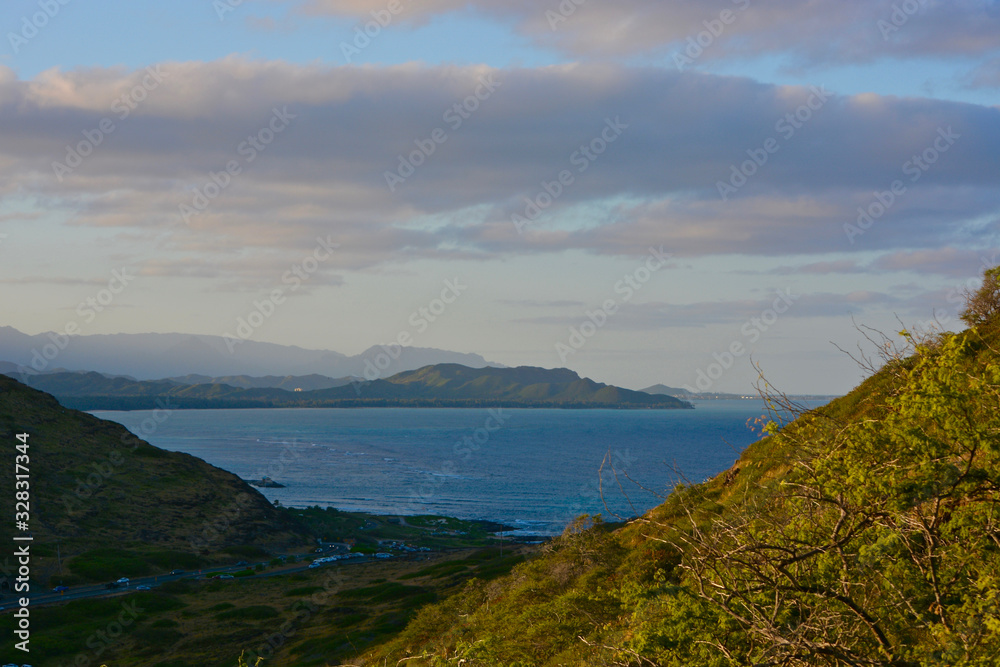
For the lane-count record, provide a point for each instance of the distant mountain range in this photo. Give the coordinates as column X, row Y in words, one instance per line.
column 287, row 382
column 439, row 385
column 153, row 355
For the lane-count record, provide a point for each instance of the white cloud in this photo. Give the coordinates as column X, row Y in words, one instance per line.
column 821, row 31
column 325, row 173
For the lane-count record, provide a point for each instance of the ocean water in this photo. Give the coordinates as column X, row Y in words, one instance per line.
column 533, row 469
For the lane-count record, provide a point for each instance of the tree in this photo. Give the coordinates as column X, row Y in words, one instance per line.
column 984, row 304
column 881, row 544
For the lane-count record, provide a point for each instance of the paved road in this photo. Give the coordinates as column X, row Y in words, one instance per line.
column 10, row 602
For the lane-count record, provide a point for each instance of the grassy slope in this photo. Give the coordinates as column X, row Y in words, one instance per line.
column 94, row 484
column 309, row 618
column 574, row 603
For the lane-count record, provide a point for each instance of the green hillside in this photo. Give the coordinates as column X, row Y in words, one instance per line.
column 441, row 385
column 863, row 533
column 94, row 485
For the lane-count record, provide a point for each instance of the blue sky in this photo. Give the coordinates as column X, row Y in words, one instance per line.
column 836, row 102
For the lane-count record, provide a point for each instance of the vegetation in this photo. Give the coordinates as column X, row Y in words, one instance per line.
column 312, row 617
column 866, row 532
column 369, row 531
column 863, row 533
column 442, row 385
column 983, row 305
column 104, row 501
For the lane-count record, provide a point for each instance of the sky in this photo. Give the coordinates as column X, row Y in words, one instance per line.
column 687, row 193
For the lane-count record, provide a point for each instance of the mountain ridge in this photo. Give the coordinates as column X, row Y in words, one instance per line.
column 439, row 385
column 151, row 356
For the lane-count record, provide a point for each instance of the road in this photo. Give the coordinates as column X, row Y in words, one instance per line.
column 10, row 602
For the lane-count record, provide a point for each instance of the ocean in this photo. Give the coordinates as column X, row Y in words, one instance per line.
column 532, row 469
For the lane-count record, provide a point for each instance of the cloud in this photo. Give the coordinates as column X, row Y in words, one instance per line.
column 53, row 280
column 657, row 315
column 985, row 75
column 821, row 31
column 952, row 262
column 538, row 303
column 324, row 173
column 818, row 268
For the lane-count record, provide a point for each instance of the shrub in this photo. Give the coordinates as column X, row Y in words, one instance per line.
column 983, row 305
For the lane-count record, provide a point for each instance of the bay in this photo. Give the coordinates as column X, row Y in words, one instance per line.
column 533, row 469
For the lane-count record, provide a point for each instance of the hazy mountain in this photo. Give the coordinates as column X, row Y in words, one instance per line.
column 441, row 385
column 286, row 382
column 154, row 355
column 662, row 389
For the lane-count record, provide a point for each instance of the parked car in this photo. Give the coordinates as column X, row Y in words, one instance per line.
column 60, row 589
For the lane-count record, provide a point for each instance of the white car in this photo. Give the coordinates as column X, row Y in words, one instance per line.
column 123, row 581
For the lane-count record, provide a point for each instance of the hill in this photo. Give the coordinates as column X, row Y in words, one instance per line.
column 441, row 385
column 862, row 533
column 93, row 484
column 287, row 382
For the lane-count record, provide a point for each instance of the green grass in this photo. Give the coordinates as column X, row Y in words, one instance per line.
column 252, row 613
